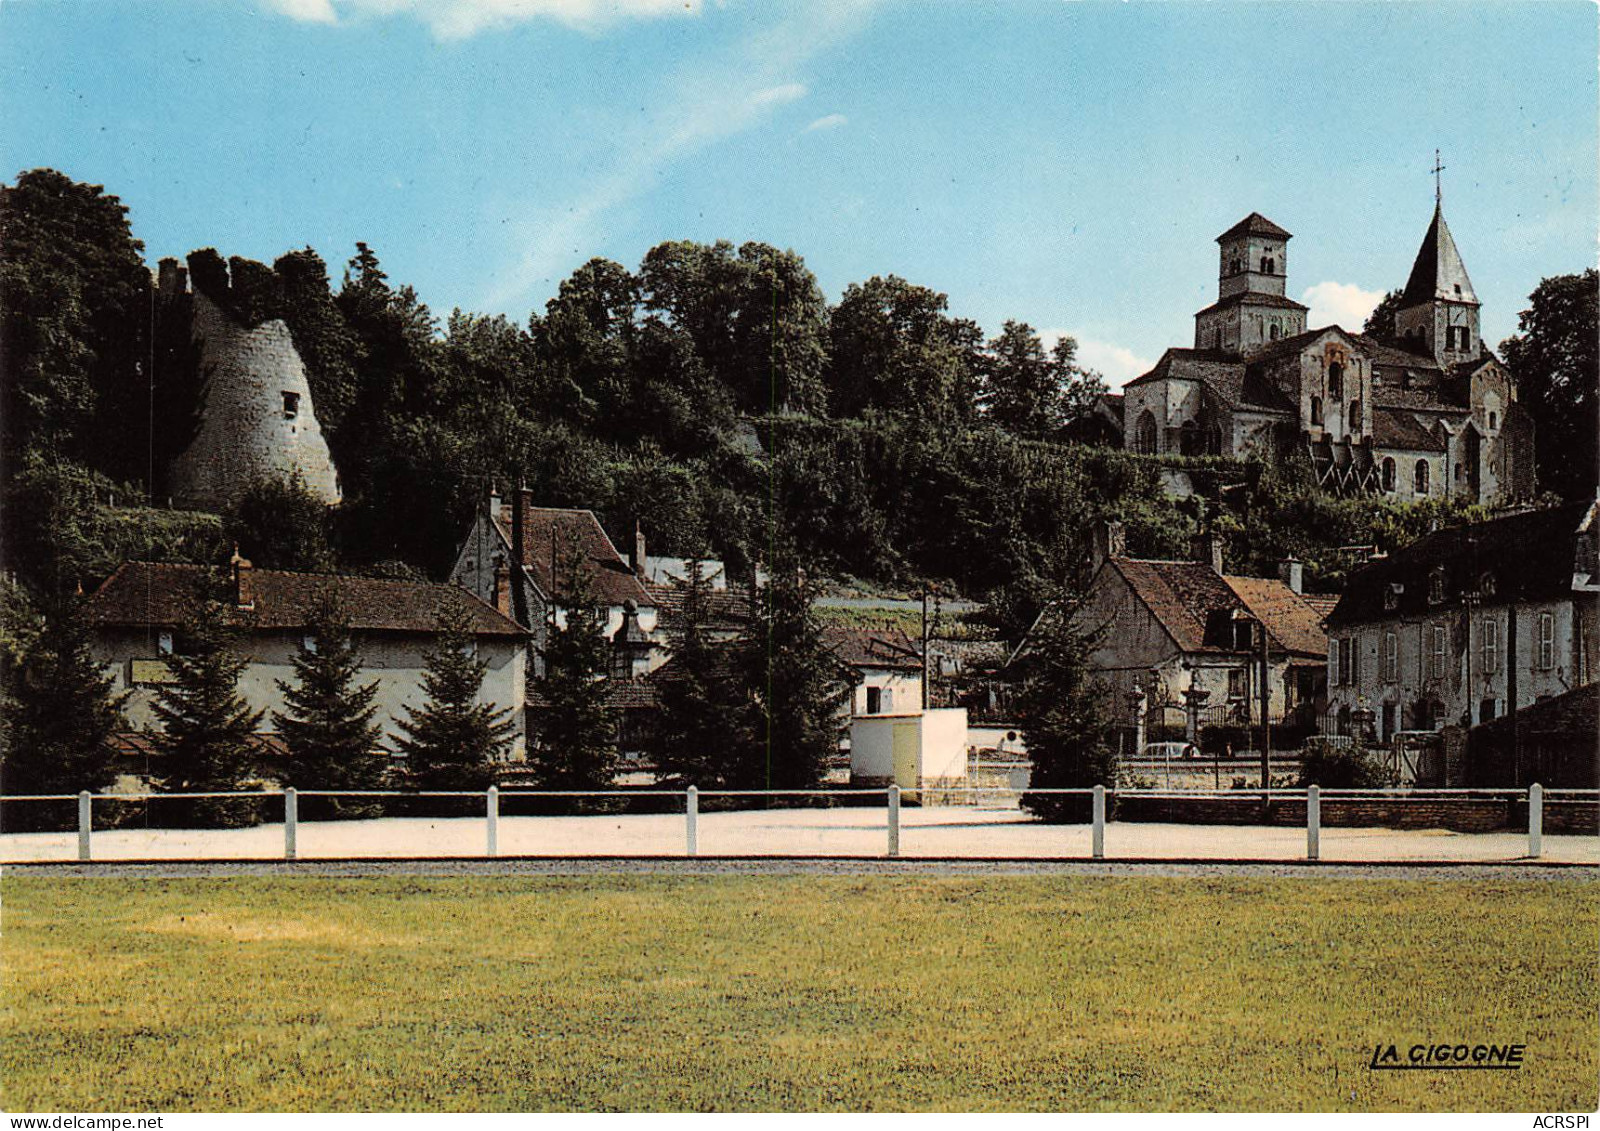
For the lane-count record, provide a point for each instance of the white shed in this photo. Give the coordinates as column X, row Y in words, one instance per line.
column 914, row 749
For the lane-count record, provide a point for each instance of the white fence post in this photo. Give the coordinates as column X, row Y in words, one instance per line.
column 691, row 820
column 492, row 812
column 291, row 821
column 85, row 823
column 1313, row 823
column 1099, row 848
column 1535, row 820
column 894, row 820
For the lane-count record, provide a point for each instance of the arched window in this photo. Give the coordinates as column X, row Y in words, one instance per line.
column 1316, row 412
column 1272, row 331
column 1144, row 434
column 1336, row 381
column 1188, row 439
column 1494, row 421
column 1353, row 424
column 1388, row 474
column 1420, row 483
column 1266, row 265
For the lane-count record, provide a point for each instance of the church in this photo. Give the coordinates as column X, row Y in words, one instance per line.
column 1427, row 412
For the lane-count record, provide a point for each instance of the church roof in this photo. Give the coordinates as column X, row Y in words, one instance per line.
column 1398, row 429
column 1393, row 353
column 1225, row 374
column 1254, row 224
column 1254, row 298
column 1438, row 271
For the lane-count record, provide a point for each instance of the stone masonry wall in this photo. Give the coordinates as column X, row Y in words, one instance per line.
column 246, row 432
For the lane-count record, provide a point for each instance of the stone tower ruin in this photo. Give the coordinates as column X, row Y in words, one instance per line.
column 256, row 417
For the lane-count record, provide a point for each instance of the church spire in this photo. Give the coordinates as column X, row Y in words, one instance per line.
column 1438, row 272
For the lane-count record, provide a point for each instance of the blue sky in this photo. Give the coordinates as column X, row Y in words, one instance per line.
column 1065, row 164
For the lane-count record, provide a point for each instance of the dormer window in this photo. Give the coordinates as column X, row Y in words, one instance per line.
column 291, row 405
column 1436, row 586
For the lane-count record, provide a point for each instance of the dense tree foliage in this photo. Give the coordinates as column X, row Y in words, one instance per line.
column 1555, row 360
column 1062, row 714
column 56, row 714
column 704, row 723
column 207, row 727
column 574, row 746
column 329, row 728
column 452, row 741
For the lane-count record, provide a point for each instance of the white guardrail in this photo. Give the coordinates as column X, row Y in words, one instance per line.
column 1313, row 797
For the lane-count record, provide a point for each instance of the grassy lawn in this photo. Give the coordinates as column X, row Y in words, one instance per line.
column 787, row 992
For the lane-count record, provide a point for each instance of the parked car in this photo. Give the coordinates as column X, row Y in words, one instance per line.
column 1166, row 751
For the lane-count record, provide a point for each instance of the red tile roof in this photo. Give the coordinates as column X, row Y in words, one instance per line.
column 1188, row 598
column 163, row 594
column 548, row 529
column 873, row 647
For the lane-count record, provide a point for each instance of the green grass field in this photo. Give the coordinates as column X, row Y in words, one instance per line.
column 789, row 992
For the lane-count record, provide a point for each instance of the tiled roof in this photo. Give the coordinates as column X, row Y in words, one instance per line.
column 158, row 594
column 1526, row 556
column 1396, row 428
column 1190, row 599
column 1292, row 621
column 727, row 609
column 1229, row 378
column 549, row 531
column 1255, row 298
column 1573, row 715
column 1321, row 603
column 636, row 693
column 873, row 647
column 1255, row 224
column 147, row 744
column 1438, row 271
column 1393, row 354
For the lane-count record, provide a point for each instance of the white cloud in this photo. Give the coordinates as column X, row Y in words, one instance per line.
column 306, row 11
column 828, row 122
column 733, row 91
column 1341, row 304
column 459, row 19
column 1117, row 364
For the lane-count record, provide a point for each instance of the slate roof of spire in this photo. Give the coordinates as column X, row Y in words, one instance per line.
column 1438, row 271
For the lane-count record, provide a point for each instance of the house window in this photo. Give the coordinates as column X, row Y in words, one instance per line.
column 1436, row 653
column 1349, row 661
column 164, row 643
column 1491, row 645
column 1333, row 663
column 1391, row 713
column 877, row 701
column 1420, row 478
column 1388, row 474
column 1436, row 586
column 1486, row 710
column 1316, row 412
column 1144, row 434
column 1235, row 683
column 1391, row 657
column 1391, row 596
column 291, row 405
column 1547, row 641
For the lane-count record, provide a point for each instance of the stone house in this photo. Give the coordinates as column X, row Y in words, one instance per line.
column 887, row 665
column 1427, row 413
column 137, row 617
column 1468, row 624
column 1179, row 642
column 516, row 557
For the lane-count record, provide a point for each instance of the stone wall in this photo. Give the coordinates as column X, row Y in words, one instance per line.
column 257, row 419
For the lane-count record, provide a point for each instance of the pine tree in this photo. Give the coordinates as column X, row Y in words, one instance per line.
column 208, row 728
column 703, row 724
column 453, row 742
column 57, row 717
column 329, row 729
column 798, row 687
column 576, row 746
column 1062, row 714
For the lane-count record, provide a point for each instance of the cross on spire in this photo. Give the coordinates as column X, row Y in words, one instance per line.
column 1438, row 167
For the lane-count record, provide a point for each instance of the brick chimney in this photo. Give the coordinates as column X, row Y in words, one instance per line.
column 1290, row 573
column 1207, row 549
column 244, row 586
column 639, row 568
column 502, row 586
column 1110, row 541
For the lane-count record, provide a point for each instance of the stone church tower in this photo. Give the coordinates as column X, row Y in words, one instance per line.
column 1252, row 309
column 1438, row 314
column 256, row 416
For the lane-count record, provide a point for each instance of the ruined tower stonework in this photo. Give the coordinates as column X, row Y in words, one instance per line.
column 257, row 420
